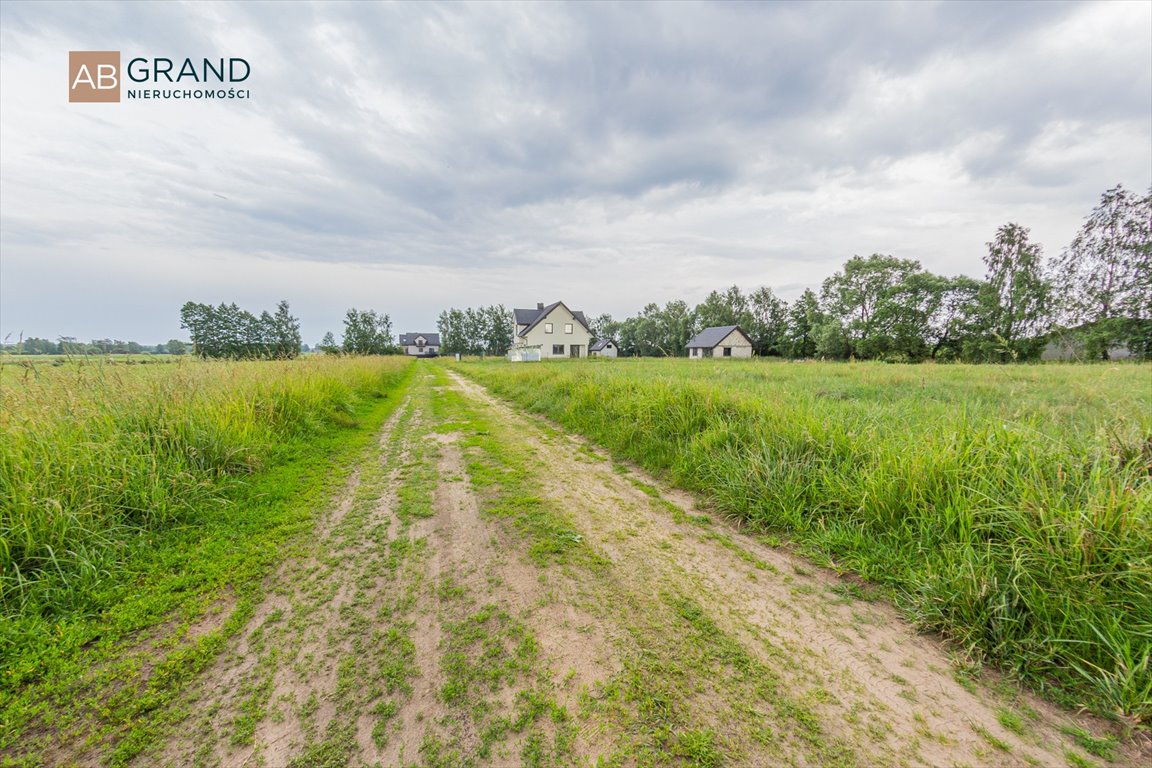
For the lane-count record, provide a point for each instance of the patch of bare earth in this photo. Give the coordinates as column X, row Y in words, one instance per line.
column 879, row 692
column 474, row 563
column 270, row 691
column 348, row 657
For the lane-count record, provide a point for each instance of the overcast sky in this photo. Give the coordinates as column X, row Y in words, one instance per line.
column 409, row 158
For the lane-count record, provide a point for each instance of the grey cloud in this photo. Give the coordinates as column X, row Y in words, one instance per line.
column 486, row 136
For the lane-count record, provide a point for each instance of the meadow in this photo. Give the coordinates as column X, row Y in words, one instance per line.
column 126, row 491
column 1006, row 507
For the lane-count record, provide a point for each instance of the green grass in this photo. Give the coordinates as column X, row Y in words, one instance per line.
column 134, row 502
column 1007, row 507
column 1099, row 746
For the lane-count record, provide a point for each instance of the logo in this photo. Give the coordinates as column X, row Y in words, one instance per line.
column 94, row 76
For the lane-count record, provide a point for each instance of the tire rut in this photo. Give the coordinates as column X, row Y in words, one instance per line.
column 884, row 693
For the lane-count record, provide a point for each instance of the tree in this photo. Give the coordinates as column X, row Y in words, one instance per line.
column 627, row 337
column 473, row 331
column 860, row 302
column 452, row 334
column 285, row 336
column 231, row 332
column 804, row 319
column 328, row 344
column 1013, row 301
column 176, row 347
column 912, row 320
column 832, row 340
column 955, row 323
column 70, row 346
column 1103, row 279
column 659, row 332
column 496, row 329
column 195, row 318
column 368, row 333
column 481, row 331
column 727, row 308
column 767, row 322
column 604, row 327
column 677, row 322
column 36, row 346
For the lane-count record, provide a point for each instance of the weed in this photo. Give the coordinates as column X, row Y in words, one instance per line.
column 991, row 738
column 1077, row 761
column 1011, row 720
column 1094, row 745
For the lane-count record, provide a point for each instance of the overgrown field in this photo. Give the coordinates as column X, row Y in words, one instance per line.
column 1007, row 507
column 126, row 489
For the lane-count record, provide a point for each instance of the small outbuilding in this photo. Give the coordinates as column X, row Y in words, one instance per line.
column 720, row 341
column 604, row 348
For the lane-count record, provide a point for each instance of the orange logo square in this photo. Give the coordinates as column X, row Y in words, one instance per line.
column 94, row 76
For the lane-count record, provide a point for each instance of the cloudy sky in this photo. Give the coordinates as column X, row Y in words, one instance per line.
column 413, row 157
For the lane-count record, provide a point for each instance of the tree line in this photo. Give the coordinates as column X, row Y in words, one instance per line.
column 366, row 332
column 481, row 331
column 226, row 331
column 1097, row 294
column 69, row 345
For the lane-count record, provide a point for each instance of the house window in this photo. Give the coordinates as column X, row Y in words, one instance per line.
column 547, row 327
column 557, row 349
column 727, row 351
column 567, row 327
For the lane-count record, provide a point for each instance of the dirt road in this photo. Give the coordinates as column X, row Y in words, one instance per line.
column 493, row 592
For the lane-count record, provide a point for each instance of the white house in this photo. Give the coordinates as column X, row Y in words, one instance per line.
column 603, row 348
column 420, row 344
column 720, row 341
column 551, row 331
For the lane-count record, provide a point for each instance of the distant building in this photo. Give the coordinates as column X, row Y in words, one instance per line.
column 720, row 341
column 548, row 332
column 420, row 344
column 603, row 348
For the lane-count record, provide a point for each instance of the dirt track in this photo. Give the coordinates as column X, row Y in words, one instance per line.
column 492, row 591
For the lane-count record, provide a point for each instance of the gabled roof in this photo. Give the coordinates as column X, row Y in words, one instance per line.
column 600, row 345
column 533, row 317
column 526, row 316
column 430, row 339
column 710, row 337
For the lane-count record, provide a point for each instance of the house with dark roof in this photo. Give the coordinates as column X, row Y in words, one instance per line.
column 720, row 341
column 550, row 331
column 420, row 344
column 603, row 348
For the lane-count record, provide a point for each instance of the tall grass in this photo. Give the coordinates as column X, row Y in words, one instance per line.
column 94, row 457
column 1007, row 507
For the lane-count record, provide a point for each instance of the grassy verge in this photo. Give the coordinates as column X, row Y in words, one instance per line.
column 1010, row 508
column 141, row 511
